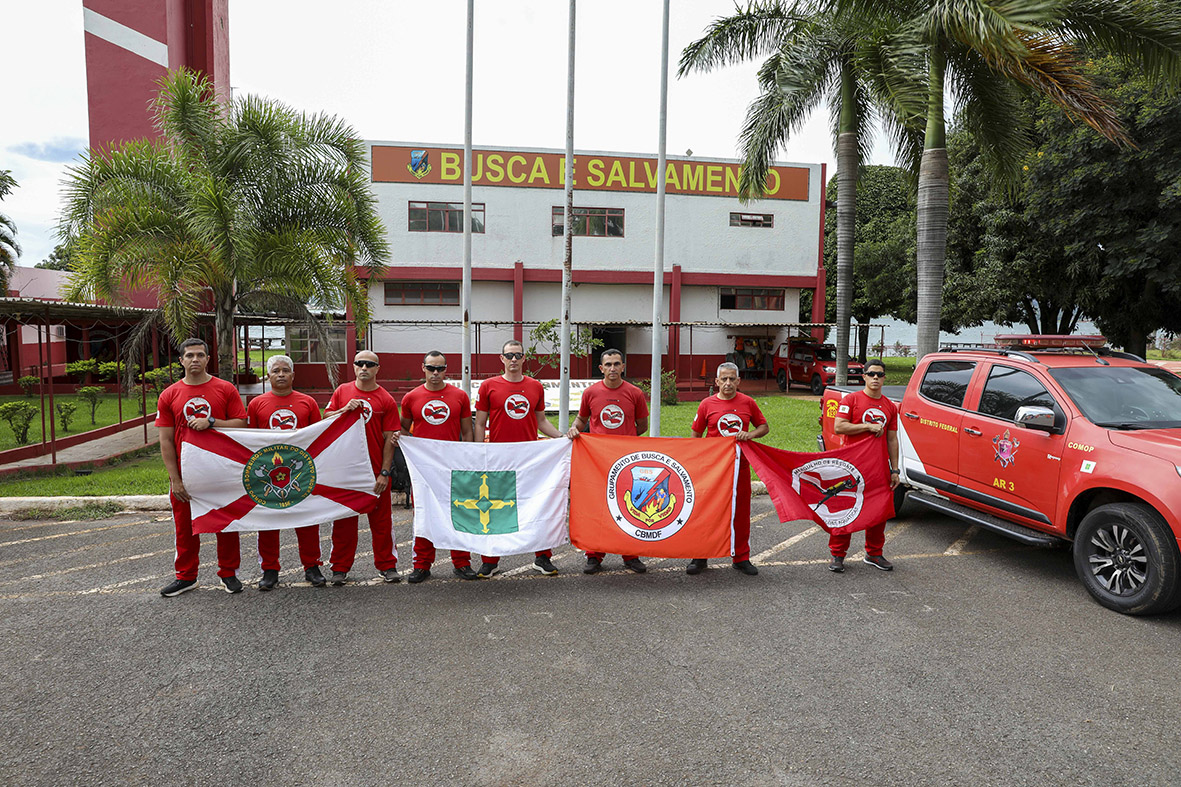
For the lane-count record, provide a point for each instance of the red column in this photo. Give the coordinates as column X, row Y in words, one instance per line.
column 518, row 300
column 674, row 315
column 819, row 293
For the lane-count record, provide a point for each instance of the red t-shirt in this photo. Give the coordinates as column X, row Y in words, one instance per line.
column 613, row 410
column 512, row 408
column 271, row 411
column 379, row 411
column 436, row 415
column 861, row 408
column 719, row 417
column 180, row 401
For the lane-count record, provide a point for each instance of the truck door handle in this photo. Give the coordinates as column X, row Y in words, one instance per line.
column 912, row 416
column 971, row 431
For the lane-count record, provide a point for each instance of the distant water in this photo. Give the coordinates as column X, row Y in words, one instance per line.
column 907, row 334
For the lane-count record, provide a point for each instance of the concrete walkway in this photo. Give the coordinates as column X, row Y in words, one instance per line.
column 119, row 443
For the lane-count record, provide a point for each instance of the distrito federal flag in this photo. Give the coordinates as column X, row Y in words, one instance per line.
column 490, row 498
column 844, row 490
column 267, row 479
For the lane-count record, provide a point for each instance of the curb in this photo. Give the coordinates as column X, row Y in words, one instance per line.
column 9, row 505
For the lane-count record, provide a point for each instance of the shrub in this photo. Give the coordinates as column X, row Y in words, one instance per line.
column 19, row 415
column 164, row 376
column 91, row 394
column 108, row 371
column 65, row 414
column 668, row 387
column 79, row 369
column 901, row 350
column 28, row 383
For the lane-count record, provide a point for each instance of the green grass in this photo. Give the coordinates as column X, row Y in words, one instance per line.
column 142, row 473
column 100, row 509
column 107, row 414
column 898, row 370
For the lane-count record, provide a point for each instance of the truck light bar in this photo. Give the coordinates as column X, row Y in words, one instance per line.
column 1036, row 341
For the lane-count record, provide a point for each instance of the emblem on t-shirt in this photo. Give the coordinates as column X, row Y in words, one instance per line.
column 611, row 416
column 284, row 419
column 366, row 410
column 873, row 416
column 729, row 425
column 516, row 407
column 197, row 408
column 435, row 412
column 649, row 495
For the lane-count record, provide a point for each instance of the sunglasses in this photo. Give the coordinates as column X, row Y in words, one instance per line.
column 430, row 368
column 875, row 374
column 513, row 356
column 366, row 364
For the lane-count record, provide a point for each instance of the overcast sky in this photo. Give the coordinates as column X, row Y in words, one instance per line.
column 395, row 71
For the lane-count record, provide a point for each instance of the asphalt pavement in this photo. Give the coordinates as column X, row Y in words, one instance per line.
column 977, row 661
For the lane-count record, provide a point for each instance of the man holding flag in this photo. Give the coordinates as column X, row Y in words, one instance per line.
column 729, row 413
column 380, row 413
column 284, row 408
column 437, row 411
column 616, row 407
column 867, row 415
column 198, row 401
column 512, row 410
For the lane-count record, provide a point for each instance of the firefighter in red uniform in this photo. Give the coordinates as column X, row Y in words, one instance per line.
column 729, row 413
column 867, row 415
column 285, row 408
column 380, row 413
column 612, row 406
column 198, row 401
column 512, row 409
column 437, row 411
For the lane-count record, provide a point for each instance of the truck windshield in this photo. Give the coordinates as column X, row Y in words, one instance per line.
column 826, row 354
column 1124, row 397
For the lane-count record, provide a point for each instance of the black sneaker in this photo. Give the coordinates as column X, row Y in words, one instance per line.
column 270, row 578
column 313, row 576
column 391, row 575
column 464, row 572
column 544, row 565
column 487, row 570
column 877, row 561
column 338, row 578
column 746, row 567
column 593, row 566
column 837, row 565
column 636, row 565
column 178, row 587
column 696, row 566
column 419, row 575
column 233, row 584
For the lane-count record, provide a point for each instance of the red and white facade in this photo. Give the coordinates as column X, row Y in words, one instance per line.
column 738, row 266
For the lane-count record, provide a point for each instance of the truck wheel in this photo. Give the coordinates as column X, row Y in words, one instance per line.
column 1127, row 559
column 817, row 385
column 781, row 378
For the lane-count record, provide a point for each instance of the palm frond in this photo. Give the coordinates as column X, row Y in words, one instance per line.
column 749, row 33
column 991, row 111
column 1144, row 32
column 289, row 306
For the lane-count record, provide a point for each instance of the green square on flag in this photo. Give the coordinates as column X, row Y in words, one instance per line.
column 484, row 501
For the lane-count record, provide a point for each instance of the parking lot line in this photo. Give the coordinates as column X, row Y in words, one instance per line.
column 798, row 537
column 963, row 540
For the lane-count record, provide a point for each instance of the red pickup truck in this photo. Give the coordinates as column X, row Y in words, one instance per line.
column 1059, row 441
column 807, row 362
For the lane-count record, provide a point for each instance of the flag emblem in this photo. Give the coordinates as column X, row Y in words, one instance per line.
column 435, row 412
column 649, row 495
column 611, row 416
column 419, row 165
column 197, row 407
column 279, row 476
column 516, row 407
column 729, row 425
column 833, row 488
column 484, row 502
column 284, row 419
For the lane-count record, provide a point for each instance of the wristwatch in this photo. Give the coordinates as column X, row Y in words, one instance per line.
column 385, row 472
column 893, row 471
column 211, row 420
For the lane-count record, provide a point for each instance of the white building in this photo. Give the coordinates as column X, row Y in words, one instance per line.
column 737, row 268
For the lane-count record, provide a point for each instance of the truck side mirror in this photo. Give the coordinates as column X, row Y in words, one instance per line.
column 1035, row 418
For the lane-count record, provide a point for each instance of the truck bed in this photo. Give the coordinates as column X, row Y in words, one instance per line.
column 892, row 392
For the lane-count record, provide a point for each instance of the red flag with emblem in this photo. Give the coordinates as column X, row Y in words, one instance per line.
column 843, row 491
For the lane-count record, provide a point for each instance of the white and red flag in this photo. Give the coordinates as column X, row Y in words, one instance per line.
column 843, row 491
column 264, row 479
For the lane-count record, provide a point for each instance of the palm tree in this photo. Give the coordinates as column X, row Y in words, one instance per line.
column 248, row 208
column 860, row 69
column 10, row 250
column 984, row 52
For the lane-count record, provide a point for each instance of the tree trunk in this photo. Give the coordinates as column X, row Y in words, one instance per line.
column 223, row 326
column 846, row 221
column 932, row 216
column 863, row 342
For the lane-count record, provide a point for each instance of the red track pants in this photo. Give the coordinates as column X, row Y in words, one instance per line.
column 424, row 554
column 875, row 539
column 601, row 555
column 381, row 530
column 309, row 547
column 188, row 545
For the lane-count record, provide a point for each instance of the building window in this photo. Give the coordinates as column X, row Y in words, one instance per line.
column 753, row 299
column 304, row 347
column 421, row 293
column 444, row 217
column 752, row 220
column 593, row 222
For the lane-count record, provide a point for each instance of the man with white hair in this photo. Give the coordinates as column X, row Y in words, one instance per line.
column 285, row 408
column 731, row 414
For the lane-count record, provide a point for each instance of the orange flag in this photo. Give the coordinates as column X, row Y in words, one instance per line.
column 653, row 496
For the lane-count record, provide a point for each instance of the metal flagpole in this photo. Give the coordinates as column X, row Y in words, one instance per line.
column 465, row 296
column 658, row 272
column 568, row 262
